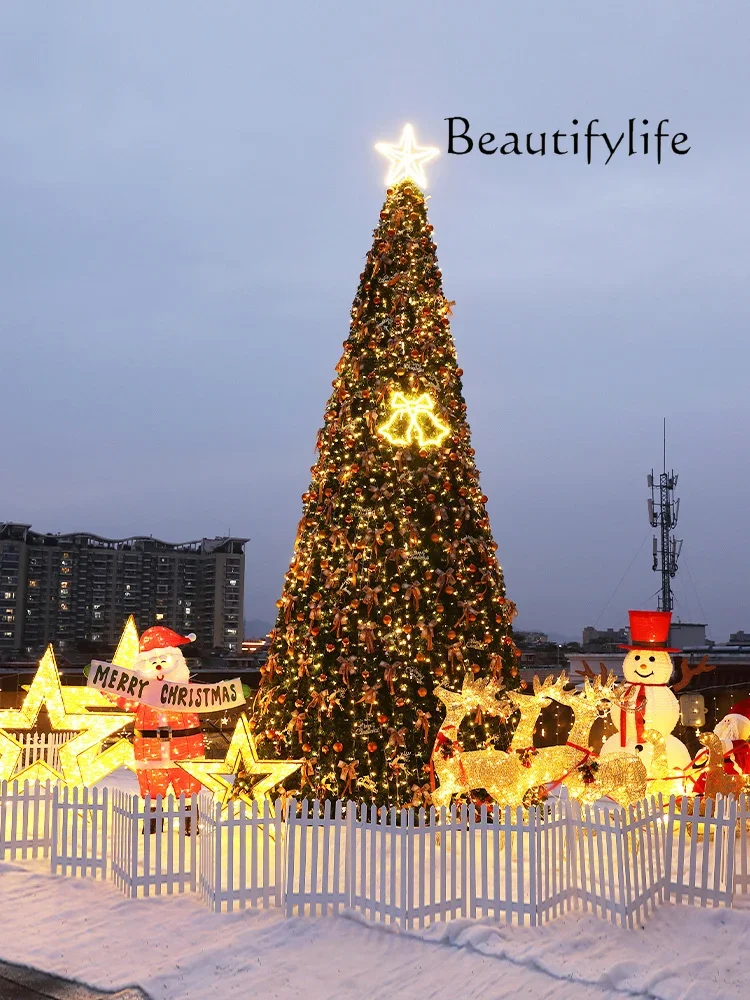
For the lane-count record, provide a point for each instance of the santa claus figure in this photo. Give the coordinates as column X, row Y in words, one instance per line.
column 645, row 701
column 162, row 737
column 734, row 732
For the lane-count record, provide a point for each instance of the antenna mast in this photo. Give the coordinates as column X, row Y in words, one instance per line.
column 663, row 510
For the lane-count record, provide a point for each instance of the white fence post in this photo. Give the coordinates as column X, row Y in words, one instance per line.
column 80, row 831
column 700, row 851
column 25, row 819
column 154, row 845
column 742, row 865
column 241, row 853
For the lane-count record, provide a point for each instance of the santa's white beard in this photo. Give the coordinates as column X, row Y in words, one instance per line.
column 728, row 729
column 176, row 670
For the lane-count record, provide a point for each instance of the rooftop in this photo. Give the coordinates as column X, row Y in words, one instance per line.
column 10, row 531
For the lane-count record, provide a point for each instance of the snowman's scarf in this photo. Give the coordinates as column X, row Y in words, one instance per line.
column 639, row 709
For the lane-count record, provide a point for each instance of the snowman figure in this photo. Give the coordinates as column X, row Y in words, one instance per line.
column 645, row 700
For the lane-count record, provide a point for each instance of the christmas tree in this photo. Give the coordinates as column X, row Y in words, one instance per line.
column 394, row 587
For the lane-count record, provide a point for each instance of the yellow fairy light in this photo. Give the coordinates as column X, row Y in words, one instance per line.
column 407, row 158
column 241, row 754
column 412, row 421
column 10, row 754
column 526, row 774
column 81, row 760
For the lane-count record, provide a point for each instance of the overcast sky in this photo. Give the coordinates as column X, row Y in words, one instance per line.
column 187, row 192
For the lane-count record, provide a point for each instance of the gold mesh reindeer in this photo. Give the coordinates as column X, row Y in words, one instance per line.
column 621, row 776
column 718, row 781
column 457, row 771
column 509, row 777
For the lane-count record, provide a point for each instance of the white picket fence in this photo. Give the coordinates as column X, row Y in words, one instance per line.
column 616, row 859
column 80, row 820
column 40, row 746
column 25, row 819
column 162, row 861
column 408, row 868
column 742, row 852
column 704, row 847
column 241, row 854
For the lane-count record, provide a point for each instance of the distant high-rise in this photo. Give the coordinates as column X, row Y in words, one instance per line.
column 58, row 588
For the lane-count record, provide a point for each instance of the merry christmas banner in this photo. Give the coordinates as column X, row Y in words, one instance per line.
column 176, row 696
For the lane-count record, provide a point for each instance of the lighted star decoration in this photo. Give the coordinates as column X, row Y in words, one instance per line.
column 219, row 776
column 407, row 158
column 412, row 421
column 127, row 648
column 82, row 761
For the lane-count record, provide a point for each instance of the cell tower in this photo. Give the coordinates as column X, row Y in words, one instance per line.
column 663, row 510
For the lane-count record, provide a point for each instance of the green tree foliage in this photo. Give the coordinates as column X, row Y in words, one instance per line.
column 394, row 586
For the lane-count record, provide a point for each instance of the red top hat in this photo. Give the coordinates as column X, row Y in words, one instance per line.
column 650, row 630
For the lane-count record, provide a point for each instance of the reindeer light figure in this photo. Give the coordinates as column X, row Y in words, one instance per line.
column 461, row 772
column 509, row 777
column 620, row 776
column 718, row 781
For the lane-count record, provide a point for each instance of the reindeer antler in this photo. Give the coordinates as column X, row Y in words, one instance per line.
column 588, row 672
column 541, row 687
column 688, row 672
column 482, row 685
column 601, row 687
column 552, row 687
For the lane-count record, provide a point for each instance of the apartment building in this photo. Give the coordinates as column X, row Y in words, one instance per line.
column 69, row 588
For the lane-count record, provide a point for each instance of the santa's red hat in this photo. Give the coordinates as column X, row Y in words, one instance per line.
column 161, row 637
column 650, row 630
column 728, row 728
column 741, row 708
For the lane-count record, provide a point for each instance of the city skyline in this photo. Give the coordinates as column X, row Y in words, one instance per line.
column 178, row 275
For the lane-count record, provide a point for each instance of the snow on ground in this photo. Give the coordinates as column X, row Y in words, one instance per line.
column 175, row 949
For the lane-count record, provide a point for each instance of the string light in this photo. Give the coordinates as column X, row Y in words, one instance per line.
column 525, row 774
column 241, row 759
column 412, row 421
column 82, row 760
column 394, row 586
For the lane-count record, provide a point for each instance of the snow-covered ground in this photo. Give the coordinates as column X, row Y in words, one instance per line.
column 174, row 948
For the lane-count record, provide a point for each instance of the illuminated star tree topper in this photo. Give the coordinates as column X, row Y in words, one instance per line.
column 407, row 158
